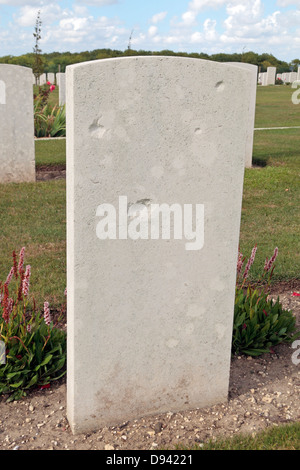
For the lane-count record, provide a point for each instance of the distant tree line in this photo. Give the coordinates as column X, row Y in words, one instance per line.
column 58, row 61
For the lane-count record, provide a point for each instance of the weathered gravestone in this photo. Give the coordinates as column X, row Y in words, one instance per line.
column 252, row 70
column 155, row 165
column 17, row 153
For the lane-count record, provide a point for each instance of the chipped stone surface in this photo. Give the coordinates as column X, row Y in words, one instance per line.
column 157, row 332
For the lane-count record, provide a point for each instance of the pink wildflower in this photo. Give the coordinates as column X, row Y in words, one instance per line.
column 240, row 263
column 52, row 87
column 48, row 83
column 21, row 260
column 47, row 317
column 8, row 306
column 250, row 262
column 25, row 284
column 9, row 277
column 269, row 263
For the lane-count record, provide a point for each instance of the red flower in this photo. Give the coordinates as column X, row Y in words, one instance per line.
column 42, row 387
column 295, row 294
column 244, row 326
column 265, row 312
column 18, row 356
column 52, row 88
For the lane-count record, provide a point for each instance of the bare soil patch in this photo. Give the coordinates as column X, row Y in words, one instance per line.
column 50, row 172
column 263, row 392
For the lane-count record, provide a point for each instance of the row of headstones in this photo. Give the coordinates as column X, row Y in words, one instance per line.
column 289, row 77
column 58, row 79
column 269, row 77
column 150, row 312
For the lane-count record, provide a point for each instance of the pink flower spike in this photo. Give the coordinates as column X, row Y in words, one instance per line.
column 269, row 264
column 25, row 285
column 9, row 277
column 240, row 263
column 250, row 262
column 21, row 260
column 47, row 317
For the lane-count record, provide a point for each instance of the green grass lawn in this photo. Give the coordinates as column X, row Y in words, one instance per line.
column 271, row 201
column 50, row 152
column 286, row 437
column 34, row 215
column 274, row 107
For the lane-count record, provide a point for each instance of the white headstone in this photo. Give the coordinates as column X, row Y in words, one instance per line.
column 150, row 301
column 51, row 78
column 298, row 74
column 42, row 79
column 271, row 75
column 61, row 83
column 252, row 69
column 17, row 153
column 292, row 77
column 264, row 79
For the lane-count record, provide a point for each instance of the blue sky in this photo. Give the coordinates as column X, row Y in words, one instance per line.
column 209, row 26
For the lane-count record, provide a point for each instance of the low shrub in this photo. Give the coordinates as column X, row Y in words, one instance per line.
column 33, row 348
column 259, row 321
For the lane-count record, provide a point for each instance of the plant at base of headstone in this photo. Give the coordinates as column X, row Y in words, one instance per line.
column 259, row 321
column 49, row 121
column 35, row 349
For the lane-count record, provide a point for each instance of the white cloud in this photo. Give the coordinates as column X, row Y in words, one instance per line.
column 152, row 30
column 21, row 2
column 198, row 5
column 97, row 3
column 286, row 3
column 27, row 15
column 159, row 17
column 188, row 18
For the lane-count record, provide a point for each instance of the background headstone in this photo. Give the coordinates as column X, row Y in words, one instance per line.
column 264, row 78
column 150, row 322
column 252, row 69
column 271, row 75
column 292, row 77
column 42, row 79
column 17, row 152
column 61, row 83
column 51, row 77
